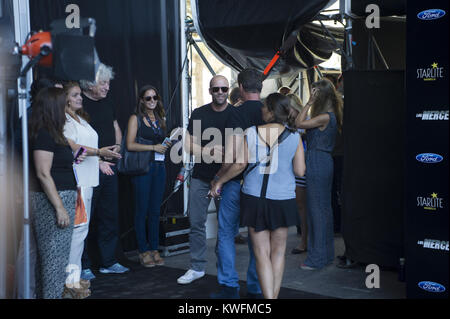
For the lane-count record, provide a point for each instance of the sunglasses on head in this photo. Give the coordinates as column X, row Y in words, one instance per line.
column 149, row 98
column 217, row 89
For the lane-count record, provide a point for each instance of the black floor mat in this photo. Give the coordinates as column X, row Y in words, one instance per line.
column 161, row 283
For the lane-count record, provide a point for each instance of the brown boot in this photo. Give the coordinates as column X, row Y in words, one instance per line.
column 157, row 258
column 146, row 260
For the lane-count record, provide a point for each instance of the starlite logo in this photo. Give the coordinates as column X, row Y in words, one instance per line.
column 431, row 74
column 431, row 203
column 431, row 286
column 434, row 244
column 429, row 158
column 433, row 116
column 431, row 14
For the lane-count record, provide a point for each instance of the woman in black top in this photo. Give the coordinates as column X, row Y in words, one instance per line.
column 53, row 191
column 148, row 123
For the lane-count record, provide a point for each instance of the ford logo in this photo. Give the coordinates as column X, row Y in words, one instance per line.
column 431, row 286
column 431, row 14
column 429, row 158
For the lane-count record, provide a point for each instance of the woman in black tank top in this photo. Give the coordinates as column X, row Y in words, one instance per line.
column 148, row 188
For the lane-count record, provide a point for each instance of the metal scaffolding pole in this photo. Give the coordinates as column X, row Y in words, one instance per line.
column 184, row 94
column 22, row 29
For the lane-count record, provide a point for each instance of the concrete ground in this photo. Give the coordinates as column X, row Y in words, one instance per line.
column 330, row 281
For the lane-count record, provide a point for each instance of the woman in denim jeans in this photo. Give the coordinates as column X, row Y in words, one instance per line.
column 148, row 188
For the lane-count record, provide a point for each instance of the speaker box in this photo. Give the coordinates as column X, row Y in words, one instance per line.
column 174, row 235
column 373, row 178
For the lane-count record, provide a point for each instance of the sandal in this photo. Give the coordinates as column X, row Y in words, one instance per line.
column 157, row 258
column 147, row 260
column 75, row 293
column 86, row 284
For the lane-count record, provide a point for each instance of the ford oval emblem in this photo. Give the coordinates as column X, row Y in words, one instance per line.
column 431, row 14
column 429, row 158
column 431, row 286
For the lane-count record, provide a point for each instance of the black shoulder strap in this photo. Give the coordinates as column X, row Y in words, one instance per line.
column 283, row 136
column 124, row 136
column 140, row 122
column 139, row 119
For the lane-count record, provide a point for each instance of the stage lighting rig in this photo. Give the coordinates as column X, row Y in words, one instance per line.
column 69, row 52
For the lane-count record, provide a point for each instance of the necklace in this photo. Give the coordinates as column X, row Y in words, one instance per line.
column 151, row 119
column 153, row 123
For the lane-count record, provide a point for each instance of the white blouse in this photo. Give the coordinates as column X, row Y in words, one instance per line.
column 83, row 134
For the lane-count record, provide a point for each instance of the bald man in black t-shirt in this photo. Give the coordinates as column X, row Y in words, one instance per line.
column 248, row 114
column 208, row 153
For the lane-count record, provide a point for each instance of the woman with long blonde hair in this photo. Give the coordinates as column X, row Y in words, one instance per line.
column 326, row 119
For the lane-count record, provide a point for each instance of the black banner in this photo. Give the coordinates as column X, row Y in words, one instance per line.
column 427, row 169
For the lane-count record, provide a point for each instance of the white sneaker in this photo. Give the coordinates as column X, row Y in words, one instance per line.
column 190, row 276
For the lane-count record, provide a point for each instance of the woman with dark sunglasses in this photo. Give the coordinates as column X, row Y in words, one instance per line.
column 148, row 123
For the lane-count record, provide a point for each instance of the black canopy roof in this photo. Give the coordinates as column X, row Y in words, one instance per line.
column 249, row 33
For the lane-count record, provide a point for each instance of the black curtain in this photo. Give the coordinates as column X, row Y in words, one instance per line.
column 129, row 39
column 140, row 39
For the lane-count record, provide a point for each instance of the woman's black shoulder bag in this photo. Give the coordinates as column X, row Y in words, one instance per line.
column 134, row 163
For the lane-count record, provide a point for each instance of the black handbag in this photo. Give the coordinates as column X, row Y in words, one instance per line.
column 134, row 163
